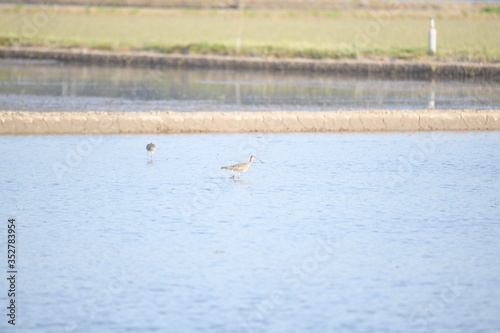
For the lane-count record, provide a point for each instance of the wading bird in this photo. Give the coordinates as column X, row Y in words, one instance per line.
column 150, row 147
column 241, row 167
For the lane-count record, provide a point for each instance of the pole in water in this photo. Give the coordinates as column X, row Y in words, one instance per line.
column 432, row 37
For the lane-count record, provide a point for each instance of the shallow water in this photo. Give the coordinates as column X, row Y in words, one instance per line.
column 380, row 232
column 52, row 86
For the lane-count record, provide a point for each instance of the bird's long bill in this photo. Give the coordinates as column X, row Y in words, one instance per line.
column 259, row 160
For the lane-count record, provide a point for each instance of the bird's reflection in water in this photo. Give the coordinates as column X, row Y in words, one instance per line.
column 241, row 183
column 239, row 180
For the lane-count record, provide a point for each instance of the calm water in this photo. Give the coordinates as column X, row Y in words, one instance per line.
column 388, row 232
column 51, row 86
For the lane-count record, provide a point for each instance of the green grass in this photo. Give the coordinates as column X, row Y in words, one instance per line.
column 491, row 10
column 316, row 35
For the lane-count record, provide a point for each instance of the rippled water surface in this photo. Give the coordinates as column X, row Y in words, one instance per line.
column 388, row 232
column 52, row 86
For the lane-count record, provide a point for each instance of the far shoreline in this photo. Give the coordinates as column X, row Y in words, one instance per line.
column 363, row 67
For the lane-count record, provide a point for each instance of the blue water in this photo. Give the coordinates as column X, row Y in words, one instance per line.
column 385, row 232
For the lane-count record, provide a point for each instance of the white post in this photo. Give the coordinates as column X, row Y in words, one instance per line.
column 432, row 37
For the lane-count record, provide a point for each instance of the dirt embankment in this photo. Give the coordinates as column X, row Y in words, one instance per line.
column 12, row 123
column 396, row 69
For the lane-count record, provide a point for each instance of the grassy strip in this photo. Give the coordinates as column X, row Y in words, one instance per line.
column 491, row 10
column 267, row 51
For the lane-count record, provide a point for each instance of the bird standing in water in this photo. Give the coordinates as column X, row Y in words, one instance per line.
column 150, row 147
column 241, row 167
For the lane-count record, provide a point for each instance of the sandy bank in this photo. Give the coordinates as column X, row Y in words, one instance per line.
column 393, row 69
column 240, row 122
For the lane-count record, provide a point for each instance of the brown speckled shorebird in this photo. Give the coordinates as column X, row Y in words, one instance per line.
column 241, row 167
column 150, row 147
